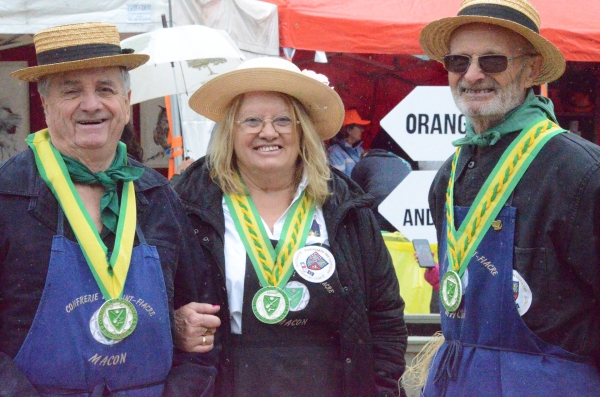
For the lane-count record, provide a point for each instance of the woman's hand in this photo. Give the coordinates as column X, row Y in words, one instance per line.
column 195, row 326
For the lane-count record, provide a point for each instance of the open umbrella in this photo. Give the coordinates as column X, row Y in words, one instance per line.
column 181, row 59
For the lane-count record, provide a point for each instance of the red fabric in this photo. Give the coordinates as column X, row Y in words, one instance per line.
column 432, row 276
column 393, row 26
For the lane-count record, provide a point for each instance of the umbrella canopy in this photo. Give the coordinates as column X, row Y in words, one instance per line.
column 181, row 59
column 393, row 26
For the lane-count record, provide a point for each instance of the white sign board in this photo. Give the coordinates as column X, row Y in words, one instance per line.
column 407, row 206
column 139, row 13
column 425, row 123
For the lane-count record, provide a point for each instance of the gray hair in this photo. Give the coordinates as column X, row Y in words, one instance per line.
column 43, row 84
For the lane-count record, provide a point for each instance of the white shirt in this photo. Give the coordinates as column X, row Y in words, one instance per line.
column 235, row 254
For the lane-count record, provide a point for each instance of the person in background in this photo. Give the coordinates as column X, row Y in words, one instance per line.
column 517, row 214
column 378, row 173
column 346, row 147
column 134, row 149
column 310, row 302
column 96, row 250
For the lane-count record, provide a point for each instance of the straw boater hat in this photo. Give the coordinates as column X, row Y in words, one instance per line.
column 516, row 15
column 323, row 104
column 78, row 46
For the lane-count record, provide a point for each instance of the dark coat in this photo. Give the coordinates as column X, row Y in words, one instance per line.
column 28, row 222
column 373, row 334
column 557, row 233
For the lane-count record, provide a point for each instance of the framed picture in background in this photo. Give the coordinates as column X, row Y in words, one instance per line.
column 154, row 129
column 14, row 110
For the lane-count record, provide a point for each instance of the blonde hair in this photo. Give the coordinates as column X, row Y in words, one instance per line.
column 222, row 163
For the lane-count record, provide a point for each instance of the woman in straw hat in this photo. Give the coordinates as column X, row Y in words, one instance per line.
column 310, row 303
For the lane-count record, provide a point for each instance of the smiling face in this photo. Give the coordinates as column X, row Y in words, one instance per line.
column 86, row 111
column 267, row 151
column 486, row 98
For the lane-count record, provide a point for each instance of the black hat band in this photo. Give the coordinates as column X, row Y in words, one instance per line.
column 500, row 12
column 78, row 53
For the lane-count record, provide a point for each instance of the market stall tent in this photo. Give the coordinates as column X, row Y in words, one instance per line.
column 393, row 26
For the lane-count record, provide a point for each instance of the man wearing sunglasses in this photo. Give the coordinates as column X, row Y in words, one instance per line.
column 517, row 212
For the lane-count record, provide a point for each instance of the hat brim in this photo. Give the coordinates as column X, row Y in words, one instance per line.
column 435, row 41
column 323, row 104
column 127, row 61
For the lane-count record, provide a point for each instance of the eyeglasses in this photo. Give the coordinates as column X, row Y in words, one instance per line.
column 487, row 63
column 254, row 125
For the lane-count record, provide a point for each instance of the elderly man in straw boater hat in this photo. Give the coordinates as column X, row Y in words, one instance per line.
column 95, row 249
column 517, row 211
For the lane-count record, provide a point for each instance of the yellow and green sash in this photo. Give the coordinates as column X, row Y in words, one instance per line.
column 110, row 274
column 273, row 267
column 499, row 185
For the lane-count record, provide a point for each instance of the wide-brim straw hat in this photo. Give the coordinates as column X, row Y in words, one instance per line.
column 323, row 104
column 516, row 15
column 78, row 46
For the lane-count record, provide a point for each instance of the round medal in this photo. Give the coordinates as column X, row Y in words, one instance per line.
column 117, row 318
column 451, row 290
column 297, row 294
column 270, row 305
column 314, row 263
column 97, row 334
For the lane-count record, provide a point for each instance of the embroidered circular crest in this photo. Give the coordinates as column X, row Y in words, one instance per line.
column 297, row 294
column 270, row 305
column 451, row 290
column 521, row 293
column 97, row 334
column 314, row 263
column 117, row 318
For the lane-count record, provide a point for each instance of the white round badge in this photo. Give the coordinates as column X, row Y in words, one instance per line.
column 298, row 295
column 314, row 263
column 97, row 334
column 521, row 293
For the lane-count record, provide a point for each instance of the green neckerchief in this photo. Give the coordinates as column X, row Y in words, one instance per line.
column 118, row 171
column 533, row 108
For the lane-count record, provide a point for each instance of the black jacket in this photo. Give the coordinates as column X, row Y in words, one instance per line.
column 373, row 334
column 557, row 233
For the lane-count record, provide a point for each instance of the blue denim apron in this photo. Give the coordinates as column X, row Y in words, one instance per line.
column 60, row 356
column 489, row 350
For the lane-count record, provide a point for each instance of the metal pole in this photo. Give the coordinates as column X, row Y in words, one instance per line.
column 175, row 109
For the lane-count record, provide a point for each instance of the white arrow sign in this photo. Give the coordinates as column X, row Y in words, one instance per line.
column 407, row 206
column 425, row 123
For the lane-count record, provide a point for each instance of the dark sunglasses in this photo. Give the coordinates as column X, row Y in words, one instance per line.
column 487, row 63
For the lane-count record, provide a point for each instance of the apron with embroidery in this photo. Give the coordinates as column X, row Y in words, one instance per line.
column 66, row 354
column 488, row 348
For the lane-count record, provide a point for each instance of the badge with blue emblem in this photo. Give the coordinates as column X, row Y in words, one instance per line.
column 314, row 263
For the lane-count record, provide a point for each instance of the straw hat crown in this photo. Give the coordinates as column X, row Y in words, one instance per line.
column 79, row 46
column 323, row 105
column 520, row 16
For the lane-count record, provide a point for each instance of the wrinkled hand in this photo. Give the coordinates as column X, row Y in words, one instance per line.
column 195, row 326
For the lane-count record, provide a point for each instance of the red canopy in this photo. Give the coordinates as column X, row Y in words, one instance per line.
column 393, row 26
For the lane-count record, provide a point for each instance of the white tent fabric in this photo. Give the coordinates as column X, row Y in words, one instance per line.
column 130, row 16
column 252, row 24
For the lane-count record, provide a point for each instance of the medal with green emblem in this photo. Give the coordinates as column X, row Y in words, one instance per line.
column 273, row 266
column 499, row 185
column 451, row 290
column 270, row 305
column 117, row 319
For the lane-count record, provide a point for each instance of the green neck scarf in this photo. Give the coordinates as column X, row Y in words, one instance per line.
column 533, row 108
column 118, row 171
